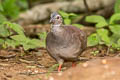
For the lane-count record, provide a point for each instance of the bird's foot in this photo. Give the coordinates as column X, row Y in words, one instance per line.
column 59, row 68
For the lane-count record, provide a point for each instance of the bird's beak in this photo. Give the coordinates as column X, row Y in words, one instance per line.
column 51, row 20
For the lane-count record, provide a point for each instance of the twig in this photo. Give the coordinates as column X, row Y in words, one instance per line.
column 26, row 61
column 118, row 55
column 32, row 73
column 83, row 59
column 108, row 50
column 8, row 56
column 29, row 3
column 4, row 64
column 87, row 7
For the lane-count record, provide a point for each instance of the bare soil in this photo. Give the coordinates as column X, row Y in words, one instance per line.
column 37, row 65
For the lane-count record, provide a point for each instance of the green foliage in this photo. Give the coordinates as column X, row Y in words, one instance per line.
column 93, row 40
column 1, row 8
column 10, row 43
column 78, row 25
column 95, row 19
column 115, row 28
column 4, row 32
column 23, row 4
column 12, row 8
column 2, row 18
column 117, row 6
column 115, row 18
column 67, row 17
column 103, row 34
column 17, row 28
column 107, row 32
column 51, row 69
column 99, row 20
column 94, row 53
column 42, row 37
column 1, row 41
column 12, row 35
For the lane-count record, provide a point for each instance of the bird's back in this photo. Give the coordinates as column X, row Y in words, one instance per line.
column 77, row 33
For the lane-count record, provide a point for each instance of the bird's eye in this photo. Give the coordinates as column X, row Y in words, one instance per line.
column 58, row 17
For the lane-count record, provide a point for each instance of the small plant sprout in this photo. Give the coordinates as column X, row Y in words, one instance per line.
column 51, row 69
column 94, row 53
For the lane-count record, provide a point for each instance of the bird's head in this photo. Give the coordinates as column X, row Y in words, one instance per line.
column 56, row 19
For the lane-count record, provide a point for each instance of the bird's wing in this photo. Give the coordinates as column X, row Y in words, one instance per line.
column 77, row 33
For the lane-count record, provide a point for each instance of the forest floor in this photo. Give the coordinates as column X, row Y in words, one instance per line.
column 16, row 64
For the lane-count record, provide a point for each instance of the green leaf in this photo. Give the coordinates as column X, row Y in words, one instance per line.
column 2, row 18
column 40, row 43
column 12, row 43
column 17, row 28
column 2, row 41
column 4, row 32
column 27, row 43
column 63, row 14
column 103, row 33
column 101, row 24
column 95, row 19
column 1, row 8
column 67, row 21
column 23, row 4
column 42, row 35
column 93, row 40
column 67, row 15
column 26, row 46
column 43, row 44
column 114, row 45
column 118, row 42
column 20, row 38
column 115, row 28
column 72, row 15
column 34, row 43
column 11, row 9
column 78, row 25
column 114, row 37
column 114, row 18
column 117, row 6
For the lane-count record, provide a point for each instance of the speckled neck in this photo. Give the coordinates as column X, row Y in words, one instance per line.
column 56, row 29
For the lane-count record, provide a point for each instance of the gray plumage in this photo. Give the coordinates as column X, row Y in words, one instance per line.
column 65, row 43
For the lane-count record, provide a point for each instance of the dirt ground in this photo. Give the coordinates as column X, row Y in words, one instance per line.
column 97, row 69
column 38, row 65
column 16, row 66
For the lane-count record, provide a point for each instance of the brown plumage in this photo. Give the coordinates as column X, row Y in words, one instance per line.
column 64, row 43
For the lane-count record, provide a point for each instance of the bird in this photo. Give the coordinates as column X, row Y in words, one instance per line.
column 64, row 42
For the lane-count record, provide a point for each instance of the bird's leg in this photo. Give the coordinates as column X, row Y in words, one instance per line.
column 60, row 61
column 73, row 64
column 59, row 68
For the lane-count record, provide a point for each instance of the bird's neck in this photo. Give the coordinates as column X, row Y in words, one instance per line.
column 56, row 28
